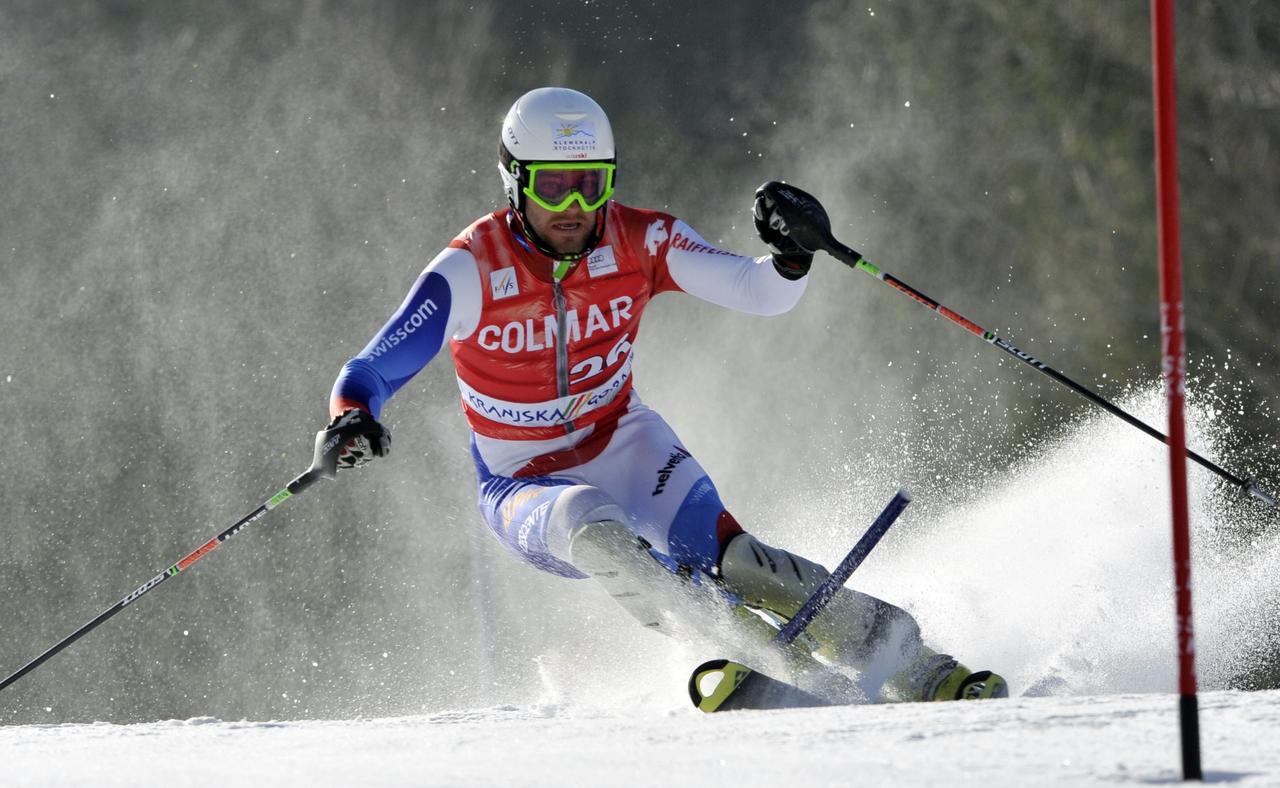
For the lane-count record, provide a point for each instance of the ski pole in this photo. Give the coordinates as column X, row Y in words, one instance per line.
column 811, row 228
column 324, row 465
column 738, row 686
column 856, row 261
column 825, row 592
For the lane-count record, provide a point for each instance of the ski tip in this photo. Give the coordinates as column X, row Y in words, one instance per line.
column 904, row 494
column 724, row 685
column 714, row 681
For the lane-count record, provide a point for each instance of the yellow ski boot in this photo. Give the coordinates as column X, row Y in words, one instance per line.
column 963, row 684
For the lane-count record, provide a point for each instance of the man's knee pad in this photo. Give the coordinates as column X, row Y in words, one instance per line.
column 572, row 511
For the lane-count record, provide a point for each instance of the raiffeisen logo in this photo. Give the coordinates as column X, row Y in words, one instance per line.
column 411, row 324
column 686, row 244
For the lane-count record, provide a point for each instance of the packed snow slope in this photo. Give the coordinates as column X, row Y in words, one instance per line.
column 1046, row 741
column 1073, row 605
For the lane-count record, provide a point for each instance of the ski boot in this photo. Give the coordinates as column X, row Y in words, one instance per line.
column 697, row 614
column 856, row 630
column 934, row 676
column 963, row 685
column 852, row 629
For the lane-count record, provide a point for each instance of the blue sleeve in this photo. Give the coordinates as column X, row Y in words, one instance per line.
column 410, row 339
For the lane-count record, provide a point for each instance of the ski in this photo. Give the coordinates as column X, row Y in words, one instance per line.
column 725, row 685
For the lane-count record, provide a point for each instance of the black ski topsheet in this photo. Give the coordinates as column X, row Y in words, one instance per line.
column 724, row 685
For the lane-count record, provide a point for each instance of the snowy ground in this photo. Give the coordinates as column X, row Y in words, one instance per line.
column 1105, row 740
column 1077, row 614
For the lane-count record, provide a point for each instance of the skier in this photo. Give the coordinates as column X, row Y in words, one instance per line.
column 540, row 304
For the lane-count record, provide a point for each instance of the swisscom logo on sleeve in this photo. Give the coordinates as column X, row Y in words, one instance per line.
column 503, row 283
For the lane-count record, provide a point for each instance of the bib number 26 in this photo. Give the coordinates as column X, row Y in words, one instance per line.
column 590, row 367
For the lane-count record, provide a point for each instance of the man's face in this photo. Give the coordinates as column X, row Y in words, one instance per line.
column 565, row 231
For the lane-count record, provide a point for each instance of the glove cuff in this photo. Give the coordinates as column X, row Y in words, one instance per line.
column 793, row 266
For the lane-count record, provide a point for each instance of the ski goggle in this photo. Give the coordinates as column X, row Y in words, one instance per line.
column 554, row 185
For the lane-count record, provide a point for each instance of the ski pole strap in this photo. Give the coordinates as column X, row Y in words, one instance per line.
column 819, row 599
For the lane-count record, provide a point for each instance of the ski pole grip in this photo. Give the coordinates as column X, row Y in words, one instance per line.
column 807, row 221
column 329, row 443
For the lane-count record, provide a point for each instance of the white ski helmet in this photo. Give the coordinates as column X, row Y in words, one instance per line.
column 551, row 124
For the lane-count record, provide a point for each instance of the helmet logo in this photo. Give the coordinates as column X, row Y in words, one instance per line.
column 515, row 169
column 572, row 130
column 569, row 136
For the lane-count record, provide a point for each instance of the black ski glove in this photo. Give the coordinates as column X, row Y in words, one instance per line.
column 784, row 215
column 375, row 440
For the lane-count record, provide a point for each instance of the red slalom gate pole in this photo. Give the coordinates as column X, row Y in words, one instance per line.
column 1173, row 364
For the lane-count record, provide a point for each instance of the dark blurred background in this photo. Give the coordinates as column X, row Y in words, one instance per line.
column 209, row 206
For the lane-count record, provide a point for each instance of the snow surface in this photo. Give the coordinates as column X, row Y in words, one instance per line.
column 1107, row 740
column 1069, row 598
